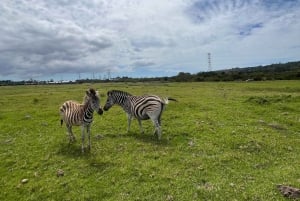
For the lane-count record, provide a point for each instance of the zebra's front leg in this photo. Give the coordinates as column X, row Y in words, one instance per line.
column 82, row 138
column 89, row 136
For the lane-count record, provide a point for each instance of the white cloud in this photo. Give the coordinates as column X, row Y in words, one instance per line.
column 41, row 38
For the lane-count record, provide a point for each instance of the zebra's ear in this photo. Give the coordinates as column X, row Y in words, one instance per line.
column 92, row 91
column 97, row 93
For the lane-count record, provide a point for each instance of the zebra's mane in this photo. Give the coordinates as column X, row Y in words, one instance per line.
column 91, row 93
column 86, row 98
column 124, row 93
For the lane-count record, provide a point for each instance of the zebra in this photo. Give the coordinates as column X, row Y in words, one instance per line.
column 140, row 107
column 76, row 114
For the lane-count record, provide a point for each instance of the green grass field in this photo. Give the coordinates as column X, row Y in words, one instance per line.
column 220, row 141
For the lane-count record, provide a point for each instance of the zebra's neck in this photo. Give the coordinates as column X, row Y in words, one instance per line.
column 87, row 112
column 124, row 102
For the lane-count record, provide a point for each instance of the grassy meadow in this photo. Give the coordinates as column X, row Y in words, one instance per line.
column 220, row 141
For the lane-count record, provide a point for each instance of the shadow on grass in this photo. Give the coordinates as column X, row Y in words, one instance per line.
column 100, row 165
column 146, row 138
column 73, row 150
column 89, row 156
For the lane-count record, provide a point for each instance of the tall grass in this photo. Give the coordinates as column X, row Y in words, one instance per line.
column 221, row 141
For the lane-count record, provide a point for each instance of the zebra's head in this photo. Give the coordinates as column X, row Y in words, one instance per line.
column 92, row 97
column 115, row 97
column 111, row 99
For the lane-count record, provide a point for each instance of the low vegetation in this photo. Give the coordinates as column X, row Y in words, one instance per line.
column 220, row 141
column 281, row 71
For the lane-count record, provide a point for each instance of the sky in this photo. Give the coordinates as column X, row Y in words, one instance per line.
column 72, row 39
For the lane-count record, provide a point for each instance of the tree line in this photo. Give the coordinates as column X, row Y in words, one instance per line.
column 285, row 71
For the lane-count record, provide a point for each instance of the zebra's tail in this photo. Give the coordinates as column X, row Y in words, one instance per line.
column 172, row 99
column 61, row 112
column 166, row 100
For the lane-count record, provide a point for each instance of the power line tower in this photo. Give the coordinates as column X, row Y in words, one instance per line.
column 108, row 75
column 209, row 68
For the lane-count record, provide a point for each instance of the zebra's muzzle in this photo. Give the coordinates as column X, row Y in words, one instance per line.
column 106, row 108
column 100, row 111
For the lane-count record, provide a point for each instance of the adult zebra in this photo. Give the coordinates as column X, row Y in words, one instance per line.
column 141, row 107
column 75, row 114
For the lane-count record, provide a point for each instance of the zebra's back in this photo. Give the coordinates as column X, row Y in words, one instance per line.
column 72, row 113
column 142, row 106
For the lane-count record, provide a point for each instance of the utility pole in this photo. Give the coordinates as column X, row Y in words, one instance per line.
column 209, row 68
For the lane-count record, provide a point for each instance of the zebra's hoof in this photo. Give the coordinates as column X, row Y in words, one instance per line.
column 72, row 139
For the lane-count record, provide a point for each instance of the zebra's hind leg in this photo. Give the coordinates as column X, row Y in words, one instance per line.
column 129, row 117
column 140, row 124
column 157, row 130
column 71, row 135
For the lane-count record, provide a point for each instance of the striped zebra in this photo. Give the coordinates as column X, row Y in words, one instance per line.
column 76, row 114
column 140, row 107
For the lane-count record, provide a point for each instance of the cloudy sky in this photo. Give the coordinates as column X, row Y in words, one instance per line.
column 68, row 39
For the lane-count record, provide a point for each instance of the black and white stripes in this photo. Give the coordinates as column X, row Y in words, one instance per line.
column 75, row 114
column 140, row 107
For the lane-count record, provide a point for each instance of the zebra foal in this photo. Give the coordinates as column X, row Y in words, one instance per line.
column 140, row 107
column 76, row 114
